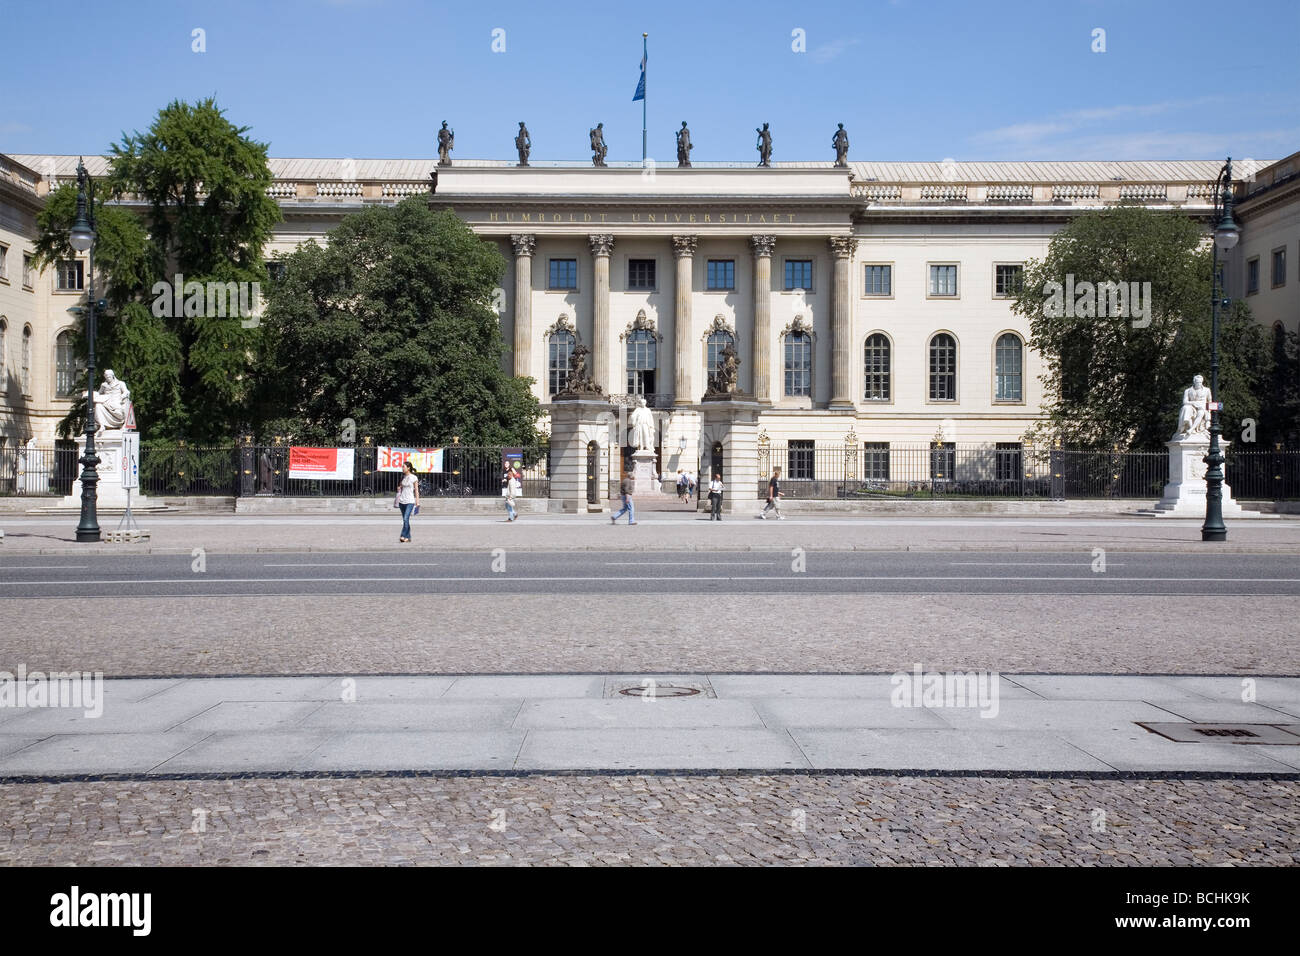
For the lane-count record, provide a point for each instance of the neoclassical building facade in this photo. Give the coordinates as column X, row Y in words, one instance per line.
column 870, row 302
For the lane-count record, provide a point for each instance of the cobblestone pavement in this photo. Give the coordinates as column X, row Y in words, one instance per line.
column 585, row 820
column 591, row 634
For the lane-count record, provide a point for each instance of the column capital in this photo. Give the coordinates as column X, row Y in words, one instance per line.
column 843, row 247
column 524, row 244
column 684, row 246
column 601, row 245
column 762, row 245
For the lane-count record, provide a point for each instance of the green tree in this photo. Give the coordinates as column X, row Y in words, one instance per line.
column 1118, row 380
column 391, row 326
column 206, row 216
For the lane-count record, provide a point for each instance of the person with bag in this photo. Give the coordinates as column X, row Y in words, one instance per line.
column 773, row 496
column 715, row 498
column 511, row 488
column 407, row 499
column 625, row 489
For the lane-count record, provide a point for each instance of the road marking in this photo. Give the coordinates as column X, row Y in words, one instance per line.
column 1034, row 564
column 674, row 564
column 210, row 579
column 42, row 567
column 359, row 564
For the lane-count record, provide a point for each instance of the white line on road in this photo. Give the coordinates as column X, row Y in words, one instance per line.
column 605, row 579
column 359, row 564
column 1082, row 562
column 42, row 567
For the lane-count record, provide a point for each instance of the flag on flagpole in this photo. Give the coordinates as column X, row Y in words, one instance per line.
column 640, row 87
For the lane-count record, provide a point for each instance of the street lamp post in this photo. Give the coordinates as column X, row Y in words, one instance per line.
column 82, row 239
column 1225, row 237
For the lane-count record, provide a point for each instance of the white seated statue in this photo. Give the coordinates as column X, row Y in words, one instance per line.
column 112, row 401
column 642, row 422
column 1194, row 416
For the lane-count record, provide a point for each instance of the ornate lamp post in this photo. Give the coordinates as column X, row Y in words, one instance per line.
column 1225, row 237
column 82, row 238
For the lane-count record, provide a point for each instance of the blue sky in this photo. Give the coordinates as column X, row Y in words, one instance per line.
column 910, row 79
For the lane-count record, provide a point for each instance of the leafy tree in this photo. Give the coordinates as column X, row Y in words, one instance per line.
column 1118, row 380
column 390, row 325
column 206, row 217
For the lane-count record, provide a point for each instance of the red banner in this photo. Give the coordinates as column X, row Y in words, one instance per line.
column 326, row 464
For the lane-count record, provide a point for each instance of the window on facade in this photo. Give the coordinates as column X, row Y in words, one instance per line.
column 1008, row 359
column 875, row 368
column 943, row 461
column 71, row 275
column 277, row 270
column 641, row 363
column 943, row 280
column 878, row 280
column 802, row 460
column 25, row 369
column 1279, row 267
column 1252, row 276
column 4, row 262
column 1008, row 461
column 564, row 274
column 29, row 272
column 641, row 274
column 798, row 274
column 717, row 341
column 1008, row 280
column 720, row 275
column 943, row 368
column 798, row 364
column 875, row 461
column 559, row 349
column 65, row 366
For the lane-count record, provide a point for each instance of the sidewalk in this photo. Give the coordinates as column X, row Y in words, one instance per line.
column 1087, row 725
column 654, row 532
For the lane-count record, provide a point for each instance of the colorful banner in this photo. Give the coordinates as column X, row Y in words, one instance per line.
column 425, row 460
column 324, row 464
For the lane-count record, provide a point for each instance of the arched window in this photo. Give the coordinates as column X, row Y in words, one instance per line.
column 875, row 368
column 65, row 365
column 25, row 370
column 641, row 362
column 1008, row 362
column 943, row 368
column 559, row 350
column 798, row 363
column 718, row 340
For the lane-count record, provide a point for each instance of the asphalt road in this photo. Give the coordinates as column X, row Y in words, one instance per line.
column 505, row 572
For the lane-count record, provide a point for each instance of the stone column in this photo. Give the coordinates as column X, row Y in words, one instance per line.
column 524, row 248
column 601, row 249
column 842, row 248
column 684, row 250
column 761, row 363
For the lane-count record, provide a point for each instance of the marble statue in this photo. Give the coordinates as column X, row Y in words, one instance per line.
column 524, row 144
column 598, row 147
column 684, row 146
column 112, row 400
column 446, row 143
column 1194, row 416
column 723, row 381
column 642, row 422
column 764, row 146
column 840, row 143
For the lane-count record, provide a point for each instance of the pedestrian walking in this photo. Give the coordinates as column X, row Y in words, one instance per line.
column 408, row 499
column 511, row 488
column 625, row 489
column 715, row 498
column 681, row 484
column 773, row 496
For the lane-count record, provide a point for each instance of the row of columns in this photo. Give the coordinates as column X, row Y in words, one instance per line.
column 602, row 248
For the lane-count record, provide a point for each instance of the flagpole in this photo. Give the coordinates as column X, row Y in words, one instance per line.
column 644, row 59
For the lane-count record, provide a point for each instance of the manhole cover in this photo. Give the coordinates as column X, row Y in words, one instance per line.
column 658, row 687
column 665, row 690
column 1184, row 733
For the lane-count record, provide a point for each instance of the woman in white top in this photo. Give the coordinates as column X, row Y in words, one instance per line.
column 511, row 488
column 408, row 499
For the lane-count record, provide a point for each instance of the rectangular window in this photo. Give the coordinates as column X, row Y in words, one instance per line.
column 4, row 262
column 1252, row 276
column 71, row 275
column 798, row 364
column 277, row 270
column 798, row 274
column 1279, row 267
column 1008, row 461
column 1008, row 280
column 875, row 461
column 878, row 280
column 564, row 274
column 721, row 275
column 29, row 273
column 943, row 461
column 802, row 467
column 943, row 280
column 641, row 274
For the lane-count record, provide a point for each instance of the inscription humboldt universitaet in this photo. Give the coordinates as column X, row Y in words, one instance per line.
column 646, row 217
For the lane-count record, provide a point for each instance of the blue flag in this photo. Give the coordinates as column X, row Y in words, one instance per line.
column 640, row 87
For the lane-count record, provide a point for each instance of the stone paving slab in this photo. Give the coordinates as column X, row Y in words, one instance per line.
column 1138, row 749
column 727, row 748
column 70, row 754
column 427, row 716
column 406, row 750
column 267, row 750
column 911, row 749
column 612, row 713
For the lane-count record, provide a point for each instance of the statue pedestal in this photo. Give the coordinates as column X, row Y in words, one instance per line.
column 1184, row 495
column 108, row 492
column 644, row 483
column 732, row 421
